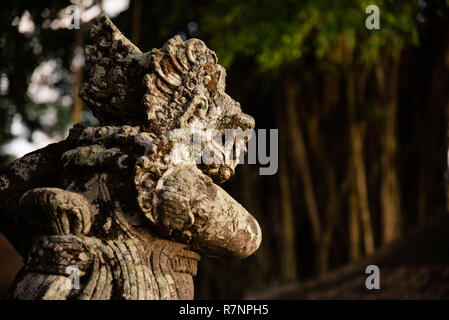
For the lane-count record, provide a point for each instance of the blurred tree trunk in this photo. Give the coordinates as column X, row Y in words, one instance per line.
column 389, row 190
column 137, row 22
column 434, row 155
column 289, row 265
column 354, row 225
column 248, row 188
column 299, row 153
column 356, row 134
column 320, row 107
column 77, row 102
column 361, row 186
column 288, row 259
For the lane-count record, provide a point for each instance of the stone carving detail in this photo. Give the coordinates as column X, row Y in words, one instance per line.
column 110, row 200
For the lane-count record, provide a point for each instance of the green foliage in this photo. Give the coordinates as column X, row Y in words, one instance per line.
column 283, row 33
column 20, row 54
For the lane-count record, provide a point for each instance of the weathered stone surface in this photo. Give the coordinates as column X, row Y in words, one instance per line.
column 110, row 200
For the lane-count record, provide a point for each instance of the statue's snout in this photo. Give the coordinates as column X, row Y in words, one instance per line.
column 191, row 209
column 231, row 232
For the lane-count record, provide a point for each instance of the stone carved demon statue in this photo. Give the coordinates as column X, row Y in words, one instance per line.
column 109, row 201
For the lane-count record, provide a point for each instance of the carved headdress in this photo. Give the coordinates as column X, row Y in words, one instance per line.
column 159, row 90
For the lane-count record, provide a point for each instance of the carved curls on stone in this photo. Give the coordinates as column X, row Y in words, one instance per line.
column 126, row 86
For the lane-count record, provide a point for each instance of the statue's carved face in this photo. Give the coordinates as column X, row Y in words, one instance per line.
column 182, row 87
column 187, row 91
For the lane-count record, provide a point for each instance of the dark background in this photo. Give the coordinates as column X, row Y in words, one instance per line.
column 362, row 118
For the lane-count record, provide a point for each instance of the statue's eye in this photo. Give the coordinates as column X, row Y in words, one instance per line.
column 202, row 106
